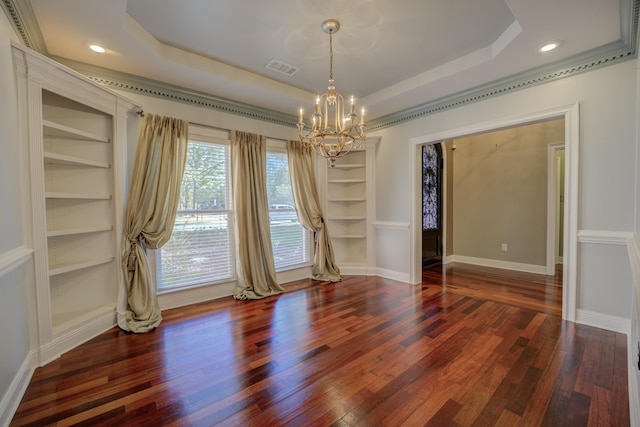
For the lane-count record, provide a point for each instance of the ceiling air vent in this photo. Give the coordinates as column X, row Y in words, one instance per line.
column 281, row 67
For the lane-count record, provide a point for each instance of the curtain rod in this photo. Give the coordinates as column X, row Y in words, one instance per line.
column 141, row 114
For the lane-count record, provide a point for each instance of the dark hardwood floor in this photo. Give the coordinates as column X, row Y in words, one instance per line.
column 470, row 347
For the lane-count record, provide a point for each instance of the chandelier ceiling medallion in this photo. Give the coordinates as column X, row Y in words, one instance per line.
column 333, row 133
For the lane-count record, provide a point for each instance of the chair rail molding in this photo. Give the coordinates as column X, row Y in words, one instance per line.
column 14, row 258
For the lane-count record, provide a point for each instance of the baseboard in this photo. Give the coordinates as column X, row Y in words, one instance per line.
column 355, row 270
column 604, row 321
column 198, row 294
column 393, row 275
column 13, row 395
column 528, row 268
column 71, row 338
column 195, row 295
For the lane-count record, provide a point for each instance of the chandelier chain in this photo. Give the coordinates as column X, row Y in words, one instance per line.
column 331, row 55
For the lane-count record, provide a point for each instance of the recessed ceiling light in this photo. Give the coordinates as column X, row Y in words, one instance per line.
column 97, row 48
column 549, row 47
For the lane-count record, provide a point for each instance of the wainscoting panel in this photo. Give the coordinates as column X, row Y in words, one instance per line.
column 393, row 254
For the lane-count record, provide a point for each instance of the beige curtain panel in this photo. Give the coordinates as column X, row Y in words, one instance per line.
column 154, row 193
column 255, row 266
column 305, row 195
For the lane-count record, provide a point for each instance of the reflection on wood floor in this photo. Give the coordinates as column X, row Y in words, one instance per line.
column 470, row 346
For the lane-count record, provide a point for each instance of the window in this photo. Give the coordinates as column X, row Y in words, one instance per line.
column 201, row 248
column 289, row 240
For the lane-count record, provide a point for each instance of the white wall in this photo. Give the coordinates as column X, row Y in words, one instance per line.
column 606, row 196
column 16, row 270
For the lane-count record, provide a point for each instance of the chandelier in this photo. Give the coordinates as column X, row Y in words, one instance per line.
column 333, row 133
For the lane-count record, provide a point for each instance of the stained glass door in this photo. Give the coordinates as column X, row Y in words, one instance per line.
column 431, row 205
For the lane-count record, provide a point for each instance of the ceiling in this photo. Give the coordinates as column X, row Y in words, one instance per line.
column 392, row 56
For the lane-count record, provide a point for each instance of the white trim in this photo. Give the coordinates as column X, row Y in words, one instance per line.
column 632, row 380
column 527, row 268
column 356, row 270
column 632, row 346
column 392, row 225
column 603, row 237
column 14, row 258
column 393, row 275
column 552, row 196
column 13, row 395
column 198, row 294
column 604, row 321
column 571, row 115
column 76, row 335
column 195, row 295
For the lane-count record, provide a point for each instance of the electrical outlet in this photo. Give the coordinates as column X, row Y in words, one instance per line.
column 504, row 247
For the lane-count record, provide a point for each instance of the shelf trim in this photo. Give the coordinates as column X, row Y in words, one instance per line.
column 57, row 195
column 80, row 230
column 57, row 269
column 58, row 130
column 346, row 181
column 348, row 199
column 349, row 236
column 63, row 159
column 349, row 166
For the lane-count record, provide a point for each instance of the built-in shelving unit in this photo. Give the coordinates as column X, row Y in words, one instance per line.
column 348, row 193
column 76, row 134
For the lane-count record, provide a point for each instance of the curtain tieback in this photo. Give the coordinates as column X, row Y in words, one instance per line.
column 132, row 258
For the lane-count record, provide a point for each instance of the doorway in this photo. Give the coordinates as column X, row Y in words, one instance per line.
column 570, row 114
column 432, row 167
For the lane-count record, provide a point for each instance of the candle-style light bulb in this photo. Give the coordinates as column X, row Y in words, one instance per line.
column 353, row 106
column 362, row 117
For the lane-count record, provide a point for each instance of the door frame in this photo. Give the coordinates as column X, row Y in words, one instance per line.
column 571, row 115
column 552, row 198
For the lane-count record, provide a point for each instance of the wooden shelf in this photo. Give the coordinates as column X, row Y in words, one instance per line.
column 57, row 130
column 346, row 181
column 349, row 166
column 63, row 159
column 56, row 269
column 56, row 195
column 348, row 199
column 75, row 231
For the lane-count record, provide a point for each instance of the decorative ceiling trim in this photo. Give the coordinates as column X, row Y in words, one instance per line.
column 141, row 85
column 576, row 65
column 613, row 53
column 25, row 24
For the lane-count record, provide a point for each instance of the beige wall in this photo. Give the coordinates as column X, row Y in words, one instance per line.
column 500, row 193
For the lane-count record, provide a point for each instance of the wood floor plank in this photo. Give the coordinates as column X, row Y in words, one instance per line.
column 469, row 346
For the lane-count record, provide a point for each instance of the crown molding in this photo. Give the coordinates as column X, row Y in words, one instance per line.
column 25, row 24
column 23, row 20
column 144, row 86
column 588, row 61
column 613, row 53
